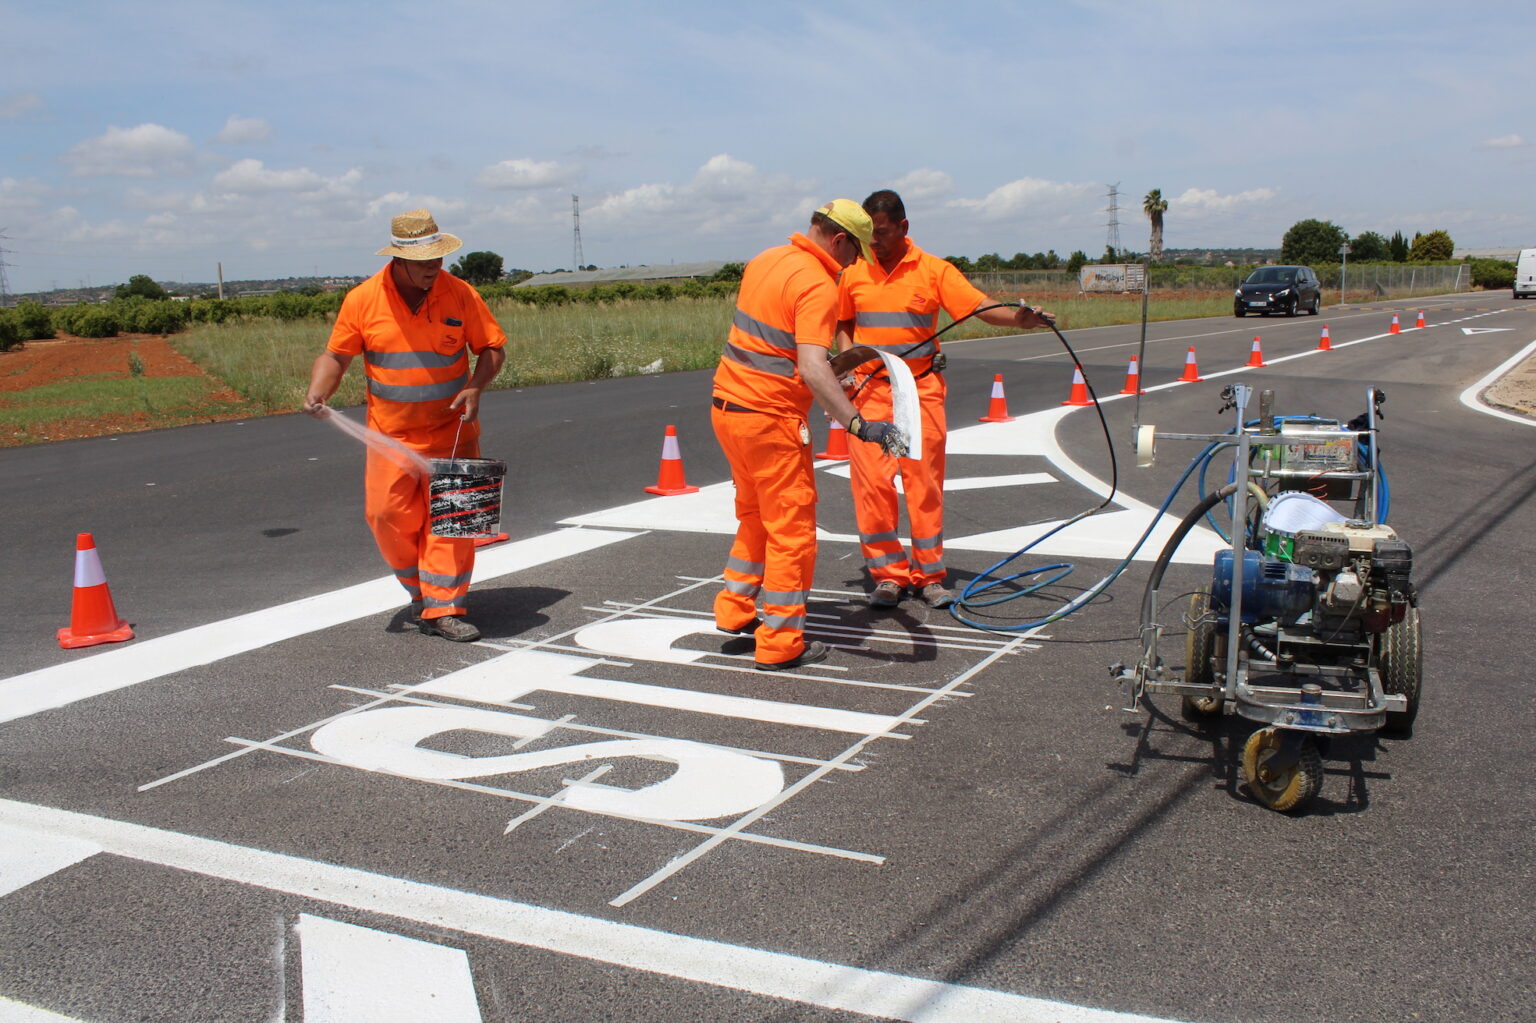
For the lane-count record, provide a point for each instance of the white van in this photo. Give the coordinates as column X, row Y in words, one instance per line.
column 1525, row 274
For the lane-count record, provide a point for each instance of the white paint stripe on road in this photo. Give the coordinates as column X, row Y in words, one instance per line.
column 966, row 482
column 1471, row 396
column 771, row 974
column 356, row 973
column 120, row 667
column 26, row 857
column 20, row 1012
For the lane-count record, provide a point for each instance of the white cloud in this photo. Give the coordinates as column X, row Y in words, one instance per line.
column 243, row 129
column 524, row 173
column 1210, row 199
column 246, row 176
column 142, row 151
column 724, row 195
column 1504, row 142
column 922, row 185
column 21, row 193
column 1030, row 196
column 18, row 104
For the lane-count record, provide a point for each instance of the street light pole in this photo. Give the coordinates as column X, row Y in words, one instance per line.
column 1343, row 267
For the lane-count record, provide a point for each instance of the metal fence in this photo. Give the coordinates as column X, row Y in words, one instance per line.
column 1365, row 281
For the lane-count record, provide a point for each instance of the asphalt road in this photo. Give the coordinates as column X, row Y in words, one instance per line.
column 280, row 802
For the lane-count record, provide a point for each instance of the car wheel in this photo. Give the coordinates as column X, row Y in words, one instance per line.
column 1290, row 310
column 1317, row 305
column 1240, row 312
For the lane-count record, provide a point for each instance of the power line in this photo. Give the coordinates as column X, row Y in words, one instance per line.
column 1113, row 242
column 576, row 253
column 5, row 285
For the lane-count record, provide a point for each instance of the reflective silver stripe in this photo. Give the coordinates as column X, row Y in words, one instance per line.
column 763, row 332
column 885, row 559
column 779, row 365
column 414, row 591
column 744, row 567
column 927, row 542
column 411, row 360
column 900, row 347
column 784, row 621
column 895, row 319
column 404, row 573
column 887, row 537
column 435, row 602
column 784, row 597
column 418, row 392
column 447, row 582
column 931, row 566
column 742, row 589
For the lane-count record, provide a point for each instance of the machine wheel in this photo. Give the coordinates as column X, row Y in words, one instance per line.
column 1199, row 647
column 1287, row 789
column 1401, row 660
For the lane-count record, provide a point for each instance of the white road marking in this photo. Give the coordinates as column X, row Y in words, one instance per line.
column 146, row 659
column 1471, row 396
column 356, row 973
column 1484, row 330
column 26, row 857
column 966, row 482
column 737, row 967
column 20, row 1012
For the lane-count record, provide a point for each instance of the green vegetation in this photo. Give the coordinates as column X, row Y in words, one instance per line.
column 1427, row 248
column 142, row 286
column 1309, row 242
column 1493, row 273
column 477, row 267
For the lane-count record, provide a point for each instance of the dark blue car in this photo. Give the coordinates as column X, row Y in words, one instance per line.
column 1279, row 289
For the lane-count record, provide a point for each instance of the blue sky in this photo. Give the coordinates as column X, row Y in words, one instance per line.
column 280, row 137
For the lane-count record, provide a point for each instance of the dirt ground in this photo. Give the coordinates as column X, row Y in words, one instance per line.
column 1516, row 390
column 38, row 363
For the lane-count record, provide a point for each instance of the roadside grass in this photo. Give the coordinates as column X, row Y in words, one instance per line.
column 60, row 409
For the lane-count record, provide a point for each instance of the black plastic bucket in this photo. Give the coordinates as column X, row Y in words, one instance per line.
column 466, row 496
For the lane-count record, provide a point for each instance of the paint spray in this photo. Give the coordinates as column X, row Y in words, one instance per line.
column 382, row 444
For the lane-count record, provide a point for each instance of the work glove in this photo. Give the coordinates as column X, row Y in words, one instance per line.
column 887, row 435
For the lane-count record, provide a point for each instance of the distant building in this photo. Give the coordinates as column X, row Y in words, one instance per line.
column 633, row 274
column 1509, row 255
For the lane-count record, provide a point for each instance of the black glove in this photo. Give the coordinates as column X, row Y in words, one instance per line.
column 884, row 434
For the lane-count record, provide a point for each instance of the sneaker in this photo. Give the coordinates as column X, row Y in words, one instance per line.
column 812, row 654
column 450, row 627
column 745, row 630
column 936, row 595
column 886, row 594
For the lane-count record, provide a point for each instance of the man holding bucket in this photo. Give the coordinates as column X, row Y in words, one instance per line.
column 773, row 364
column 415, row 327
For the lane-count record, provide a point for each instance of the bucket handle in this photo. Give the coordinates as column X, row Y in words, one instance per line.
column 454, row 455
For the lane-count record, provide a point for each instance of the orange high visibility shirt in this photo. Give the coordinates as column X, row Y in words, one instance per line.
column 788, row 297
column 415, row 362
column 898, row 310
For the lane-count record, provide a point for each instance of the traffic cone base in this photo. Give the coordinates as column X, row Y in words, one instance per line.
column 837, row 443
column 997, row 407
column 1256, row 356
column 670, row 479
column 1079, row 395
column 1191, row 369
column 92, row 618
column 1132, row 379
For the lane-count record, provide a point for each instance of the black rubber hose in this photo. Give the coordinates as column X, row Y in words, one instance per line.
column 1188, row 522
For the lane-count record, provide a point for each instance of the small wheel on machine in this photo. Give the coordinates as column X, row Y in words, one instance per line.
column 1199, row 648
column 1400, row 657
column 1286, row 788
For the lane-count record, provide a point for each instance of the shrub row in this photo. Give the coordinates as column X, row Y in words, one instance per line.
column 600, row 294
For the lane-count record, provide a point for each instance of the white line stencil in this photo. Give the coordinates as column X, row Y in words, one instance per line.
column 356, row 973
column 26, row 857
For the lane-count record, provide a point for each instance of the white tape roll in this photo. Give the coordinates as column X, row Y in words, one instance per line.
column 1146, row 446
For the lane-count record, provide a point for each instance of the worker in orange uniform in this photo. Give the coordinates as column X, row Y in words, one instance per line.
column 415, row 327
column 773, row 364
column 893, row 304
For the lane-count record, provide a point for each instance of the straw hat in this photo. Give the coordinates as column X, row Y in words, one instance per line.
column 415, row 236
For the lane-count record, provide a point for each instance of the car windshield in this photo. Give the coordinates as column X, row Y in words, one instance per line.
column 1272, row 275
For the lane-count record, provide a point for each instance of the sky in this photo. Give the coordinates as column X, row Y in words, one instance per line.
column 278, row 138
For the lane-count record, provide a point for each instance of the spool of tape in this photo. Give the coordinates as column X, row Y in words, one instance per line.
column 1146, row 446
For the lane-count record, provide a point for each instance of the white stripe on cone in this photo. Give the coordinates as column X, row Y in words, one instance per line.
column 997, row 388
column 669, row 448
column 88, row 569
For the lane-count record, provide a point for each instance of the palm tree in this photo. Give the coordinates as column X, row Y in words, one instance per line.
column 1154, row 205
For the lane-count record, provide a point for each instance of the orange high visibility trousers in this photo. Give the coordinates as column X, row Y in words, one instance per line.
column 435, row 570
column 774, row 555
column 873, row 475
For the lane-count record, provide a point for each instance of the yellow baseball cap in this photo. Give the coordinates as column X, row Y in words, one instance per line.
column 850, row 216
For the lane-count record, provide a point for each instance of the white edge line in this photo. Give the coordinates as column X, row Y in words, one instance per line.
column 1471, row 396
column 143, row 660
column 762, row 972
column 21, row 1012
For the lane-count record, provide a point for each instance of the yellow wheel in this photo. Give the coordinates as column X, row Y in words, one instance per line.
column 1199, row 648
column 1284, row 788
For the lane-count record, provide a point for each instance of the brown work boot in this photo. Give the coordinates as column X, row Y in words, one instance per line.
column 886, row 594
column 936, row 595
column 812, row 654
column 451, row 627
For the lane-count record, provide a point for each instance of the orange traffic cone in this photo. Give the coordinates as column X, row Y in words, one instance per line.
column 1256, row 356
column 1395, row 328
column 1132, row 379
column 1419, row 323
column 997, row 409
column 670, row 480
column 92, row 618
column 1191, row 369
column 837, row 443
column 1323, row 345
column 1079, row 395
